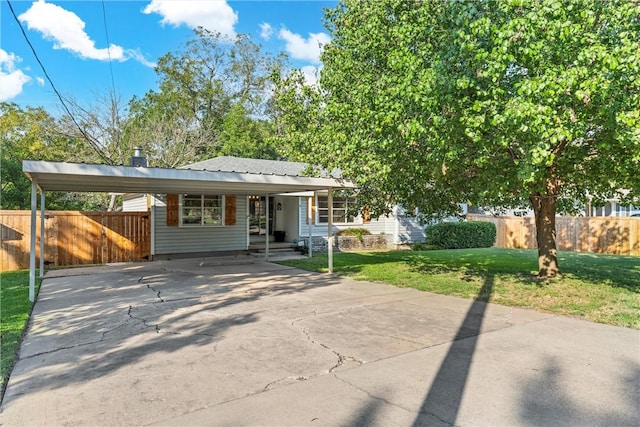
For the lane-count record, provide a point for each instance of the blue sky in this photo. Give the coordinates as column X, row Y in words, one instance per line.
column 71, row 41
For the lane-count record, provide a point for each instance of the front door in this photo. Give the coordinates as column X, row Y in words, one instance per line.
column 258, row 218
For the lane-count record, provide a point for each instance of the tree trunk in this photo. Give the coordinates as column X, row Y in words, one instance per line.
column 544, row 208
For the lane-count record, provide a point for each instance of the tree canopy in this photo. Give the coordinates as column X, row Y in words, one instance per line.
column 32, row 133
column 493, row 103
column 212, row 100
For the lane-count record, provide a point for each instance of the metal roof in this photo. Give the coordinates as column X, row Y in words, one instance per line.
column 260, row 166
column 83, row 177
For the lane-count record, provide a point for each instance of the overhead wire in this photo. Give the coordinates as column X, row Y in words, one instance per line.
column 106, row 31
column 90, row 140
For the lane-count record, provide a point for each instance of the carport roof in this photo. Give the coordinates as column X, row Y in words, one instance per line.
column 84, row 177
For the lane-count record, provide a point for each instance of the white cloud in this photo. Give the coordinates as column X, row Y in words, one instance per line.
column 66, row 30
column 138, row 56
column 214, row 15
column 40, row 81
column 311, row 74
column 305, row 49
column 12, row 80
column 266, row 30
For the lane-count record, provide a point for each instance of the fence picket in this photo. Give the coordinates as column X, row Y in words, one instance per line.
column 611, row 235
column 75, row 238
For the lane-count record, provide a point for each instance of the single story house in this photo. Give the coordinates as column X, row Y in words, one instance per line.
column 204, row 210
column 197, row 222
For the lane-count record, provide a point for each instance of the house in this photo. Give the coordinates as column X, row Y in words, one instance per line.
column 193, row 223
column 203, row 210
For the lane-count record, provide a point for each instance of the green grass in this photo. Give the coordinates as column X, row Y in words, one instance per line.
column 600, row 288
column 15, row 309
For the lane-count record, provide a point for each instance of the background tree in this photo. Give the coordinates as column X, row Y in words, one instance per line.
column 211, row 100
column 497, row 103
column 32, row 133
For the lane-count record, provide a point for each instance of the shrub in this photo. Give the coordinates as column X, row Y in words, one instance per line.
column 422, row 246
column 461, row 235
column 354, row 231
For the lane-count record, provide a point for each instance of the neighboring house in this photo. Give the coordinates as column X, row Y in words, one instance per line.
column 612, row 208
column 193, row 223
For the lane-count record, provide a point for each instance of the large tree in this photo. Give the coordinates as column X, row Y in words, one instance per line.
column 494, row 103
column 33, row 134
column 206, row 89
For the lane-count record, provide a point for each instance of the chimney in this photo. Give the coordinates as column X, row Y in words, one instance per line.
column 138, row 160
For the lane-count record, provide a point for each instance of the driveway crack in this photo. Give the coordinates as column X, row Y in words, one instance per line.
column 341, row 357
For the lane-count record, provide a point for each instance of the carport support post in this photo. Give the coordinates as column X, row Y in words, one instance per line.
column 42, row 234
column 310, row 217
column 330, row 231
column 266, row 227
column 32, row 248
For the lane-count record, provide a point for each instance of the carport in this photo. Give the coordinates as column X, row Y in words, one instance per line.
column 83, row 177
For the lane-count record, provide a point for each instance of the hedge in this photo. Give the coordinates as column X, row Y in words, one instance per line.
column 461, row 235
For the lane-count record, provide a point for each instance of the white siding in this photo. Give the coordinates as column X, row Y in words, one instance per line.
column 134, row 202
column 409, row 230
column 287, row 218
column 382, row 225
column 180, row 240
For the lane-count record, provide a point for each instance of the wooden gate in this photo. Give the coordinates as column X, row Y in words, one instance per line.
column 75, row 238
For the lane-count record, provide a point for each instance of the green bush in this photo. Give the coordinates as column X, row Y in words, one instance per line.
column 354, row 231
column 422, row 246
column 461, row 235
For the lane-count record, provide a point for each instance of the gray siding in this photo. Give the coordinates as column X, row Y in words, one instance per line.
column 180, row 240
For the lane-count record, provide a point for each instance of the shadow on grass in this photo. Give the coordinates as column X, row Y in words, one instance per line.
column 616, row 271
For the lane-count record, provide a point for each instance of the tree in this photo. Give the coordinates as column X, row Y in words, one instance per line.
column 26, row 134
column 495, row 103
column 207, row 88
column 33, row 134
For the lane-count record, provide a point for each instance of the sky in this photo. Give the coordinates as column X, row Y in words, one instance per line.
column 88, row 47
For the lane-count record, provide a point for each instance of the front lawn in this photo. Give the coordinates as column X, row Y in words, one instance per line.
column 15, row 308
column 600, row 288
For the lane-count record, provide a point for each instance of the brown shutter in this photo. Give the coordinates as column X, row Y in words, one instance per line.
column 366, row 215
column 230, row 210
column 173, row 206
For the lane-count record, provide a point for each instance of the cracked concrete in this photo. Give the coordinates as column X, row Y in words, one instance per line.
column 200, row 342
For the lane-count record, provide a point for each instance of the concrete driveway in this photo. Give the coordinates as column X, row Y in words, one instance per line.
column 224, row 342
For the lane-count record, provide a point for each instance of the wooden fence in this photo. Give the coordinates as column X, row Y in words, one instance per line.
column 610, row 235
column 75, row 238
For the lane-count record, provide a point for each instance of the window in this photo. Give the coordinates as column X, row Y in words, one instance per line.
column 344, row 208
column 201, row 210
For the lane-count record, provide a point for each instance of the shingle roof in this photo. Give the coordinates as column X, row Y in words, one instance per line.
column 257, row 166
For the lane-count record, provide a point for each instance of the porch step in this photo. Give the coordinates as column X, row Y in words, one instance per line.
column 278, row 253
column 276, row 250
column 275, row 246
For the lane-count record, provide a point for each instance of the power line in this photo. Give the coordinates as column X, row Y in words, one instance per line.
column 106, row 31
column 55, row 90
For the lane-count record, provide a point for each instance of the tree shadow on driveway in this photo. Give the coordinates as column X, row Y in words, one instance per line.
column 124, row 319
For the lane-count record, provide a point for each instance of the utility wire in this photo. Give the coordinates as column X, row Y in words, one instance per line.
column 106, row 31
column 92, row 143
